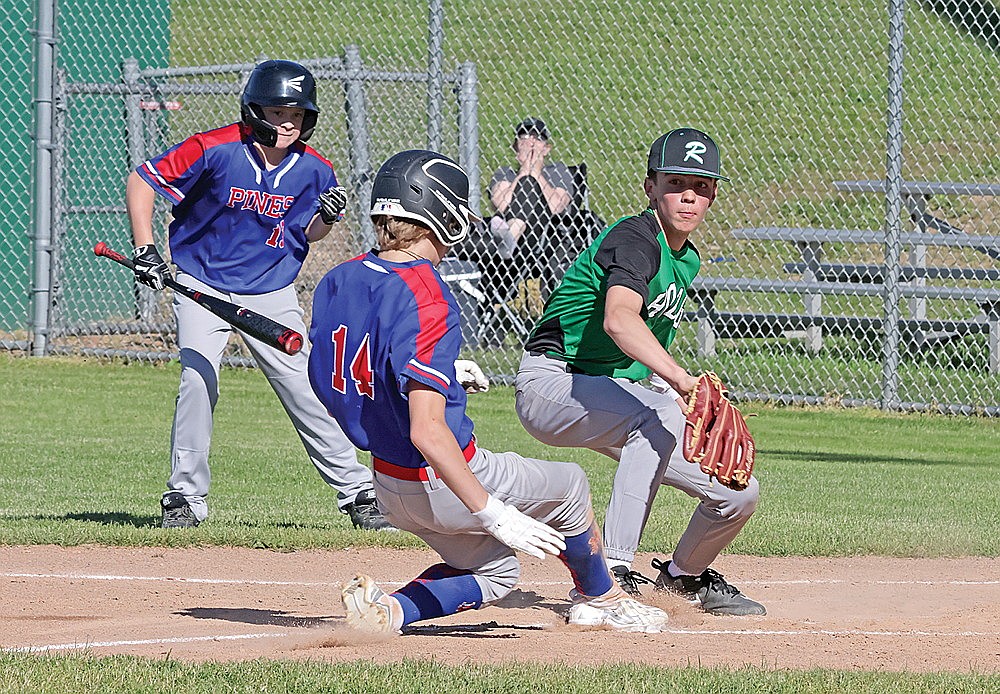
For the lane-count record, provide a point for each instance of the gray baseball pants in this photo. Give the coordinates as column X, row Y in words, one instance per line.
column 557, row 494
column 640, row 429
column 202, row 338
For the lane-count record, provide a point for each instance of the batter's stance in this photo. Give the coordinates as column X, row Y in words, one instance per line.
column 248, row 200
column 607, row 327
column 385, row 334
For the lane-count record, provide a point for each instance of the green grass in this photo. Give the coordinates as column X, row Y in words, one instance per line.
column 85, row 457
column 119, row 674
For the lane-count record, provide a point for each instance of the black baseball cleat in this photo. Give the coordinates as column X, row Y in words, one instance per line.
column 628, row 580
column 364, row 513
column 177, row 512
column 710, row 589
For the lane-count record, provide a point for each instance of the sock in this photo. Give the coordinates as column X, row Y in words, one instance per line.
column 673, row 572
column 619, row 562
column 584, row 557
column 440, row 590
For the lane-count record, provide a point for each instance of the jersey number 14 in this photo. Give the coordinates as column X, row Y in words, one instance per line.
column 360, row 368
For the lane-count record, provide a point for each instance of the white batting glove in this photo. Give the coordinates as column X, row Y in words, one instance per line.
column 471, row 377
column 518, row 531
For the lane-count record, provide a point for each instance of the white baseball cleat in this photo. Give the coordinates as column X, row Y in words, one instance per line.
column 615, row 610
column 369, row 608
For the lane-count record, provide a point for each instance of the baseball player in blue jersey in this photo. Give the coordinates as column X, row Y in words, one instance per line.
column 248, row 200
column 606, row 328
column 385, row 333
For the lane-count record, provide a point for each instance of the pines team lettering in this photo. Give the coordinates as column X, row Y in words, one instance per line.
column 267, row 204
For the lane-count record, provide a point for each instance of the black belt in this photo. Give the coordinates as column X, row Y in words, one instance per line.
column 567, row 367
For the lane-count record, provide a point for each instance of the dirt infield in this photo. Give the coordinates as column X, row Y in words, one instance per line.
column 869, row 613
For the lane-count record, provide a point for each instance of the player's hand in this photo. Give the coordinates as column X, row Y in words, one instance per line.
column 685, row 384
column 518, row 531
column 150, row 268
column 332, row 203
column 470, row 376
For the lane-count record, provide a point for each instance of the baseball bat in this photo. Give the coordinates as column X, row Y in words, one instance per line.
column 261, row 327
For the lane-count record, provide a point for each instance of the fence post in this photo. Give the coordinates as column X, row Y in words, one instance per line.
column 58, row 205
column 133, row 113
column 41, row 289
column 435, row 76
column 145, row 297
column 357, row 135
column 893, row 203
column 468, row 130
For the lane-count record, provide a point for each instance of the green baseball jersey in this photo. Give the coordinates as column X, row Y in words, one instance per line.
column 632, row 253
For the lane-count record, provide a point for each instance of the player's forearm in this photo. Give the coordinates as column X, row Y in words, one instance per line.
column 317, row 229
column 441, row 451
column 139, row 199
column 637, row 341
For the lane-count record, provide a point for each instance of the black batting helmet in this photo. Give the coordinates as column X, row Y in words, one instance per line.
column 428, row 188
column 278, row 83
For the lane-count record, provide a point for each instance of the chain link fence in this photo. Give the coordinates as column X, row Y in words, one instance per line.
column 819, row 283
column 15, row 210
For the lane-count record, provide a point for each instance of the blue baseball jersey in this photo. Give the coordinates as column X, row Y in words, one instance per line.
column 376, row 326
column 236, row 226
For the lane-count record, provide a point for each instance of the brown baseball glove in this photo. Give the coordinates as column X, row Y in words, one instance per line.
column 716, row 436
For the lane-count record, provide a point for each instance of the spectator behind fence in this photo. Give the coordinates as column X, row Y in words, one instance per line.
column 526, row 199
column 511, row 246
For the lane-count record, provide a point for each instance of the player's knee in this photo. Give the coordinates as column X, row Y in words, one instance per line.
column 198, row 375
column 741, row 504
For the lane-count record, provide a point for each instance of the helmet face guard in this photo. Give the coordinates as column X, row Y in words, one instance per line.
column 278, row 83
column 428, row 188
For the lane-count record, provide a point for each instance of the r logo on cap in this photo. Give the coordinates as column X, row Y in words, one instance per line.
column 694, row 151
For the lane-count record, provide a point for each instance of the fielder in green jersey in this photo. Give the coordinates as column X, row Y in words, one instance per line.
column 607, row 327
column 572, row 326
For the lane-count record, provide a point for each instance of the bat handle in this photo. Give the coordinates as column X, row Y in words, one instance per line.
column 103, row 250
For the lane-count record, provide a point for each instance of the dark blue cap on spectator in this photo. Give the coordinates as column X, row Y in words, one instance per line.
column 534, row 127
column 685, row 151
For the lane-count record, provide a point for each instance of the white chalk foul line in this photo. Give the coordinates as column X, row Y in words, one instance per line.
column 824, row 632
column 828, row 581
column 140, row 642
column 177, row 579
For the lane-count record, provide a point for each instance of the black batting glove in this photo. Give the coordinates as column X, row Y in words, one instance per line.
column 150, row 268
column 332, row 203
